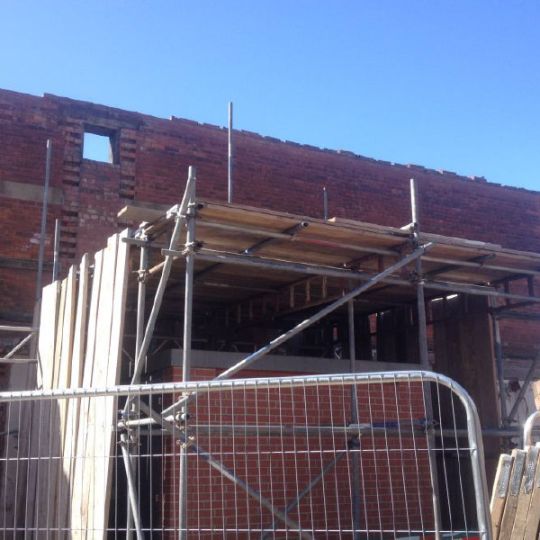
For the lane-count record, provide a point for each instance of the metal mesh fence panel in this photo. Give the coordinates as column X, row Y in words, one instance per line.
column 350, row 456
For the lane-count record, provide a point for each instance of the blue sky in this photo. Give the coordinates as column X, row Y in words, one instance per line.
column 449, row 84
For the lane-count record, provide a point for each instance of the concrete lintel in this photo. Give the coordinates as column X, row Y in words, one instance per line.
column 29, row 192
column 274, row 362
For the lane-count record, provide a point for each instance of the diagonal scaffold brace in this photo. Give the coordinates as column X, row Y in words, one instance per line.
column 306, row 323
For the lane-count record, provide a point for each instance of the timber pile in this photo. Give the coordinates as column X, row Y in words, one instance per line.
column 80, row 338
column 515, row 501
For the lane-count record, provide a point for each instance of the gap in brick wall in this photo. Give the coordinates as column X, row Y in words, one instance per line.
column 98, row 147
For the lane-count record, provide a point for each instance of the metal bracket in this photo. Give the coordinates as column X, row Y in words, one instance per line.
column 173, row 212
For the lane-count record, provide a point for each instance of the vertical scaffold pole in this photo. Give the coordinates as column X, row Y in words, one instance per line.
column 139, row 334
column 56, row 253
column 423, row 352
column 354, row 420
column 43, row 230
column 230, row 155
column 420, row 299
column 186, row 349
column 141, row 300
column 41, row 254
column 132, row 494
column 499, row 360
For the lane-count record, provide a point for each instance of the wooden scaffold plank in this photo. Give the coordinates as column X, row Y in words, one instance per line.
column 525, row 494
column 76, row 365
column 510, row 508
column 110, row 377
column 500, row 491
column 83, row 462
column 532, row 524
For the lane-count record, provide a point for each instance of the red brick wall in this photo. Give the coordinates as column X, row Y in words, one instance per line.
column 155, row 153
column 394, row 486
column 153, row 156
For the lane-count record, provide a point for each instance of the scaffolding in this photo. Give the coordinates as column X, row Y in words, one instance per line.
column 284, row 264
column 305, row 264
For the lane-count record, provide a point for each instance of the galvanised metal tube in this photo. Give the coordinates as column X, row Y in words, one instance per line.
column 214, row 385
column 314, row 481
column 141, row 299
column 528, row 427
column 56, row 252
column 477, row 459
column 43, row 229
column 523, row 390
column 132, row 494
column 499, row 362
column 316, row 430
column 186, row 356
column 230, row 154
column 320, row 270
column 139, row 333
column 9, row 360
column 19, row 346
column 189, row 445
column 227, row 473
column 423, row 352
column 8, row 328
column 354, row 420
column 420, row 300
column 321, row 314
column 472, row 264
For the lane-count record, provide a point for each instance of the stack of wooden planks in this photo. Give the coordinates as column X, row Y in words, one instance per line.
column 515, row 500
column 69, row 478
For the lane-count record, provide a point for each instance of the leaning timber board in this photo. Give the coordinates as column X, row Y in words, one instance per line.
column 64, row 376
column 532, row 524
column 108, row 375
column 510, row 508
column 73, row 380
column 47, row 484
column 500, row 491
column 96, row 456
column 77, row 358
column 92, row 471
column 83, row 465
column 40, row 416
column 525, row 494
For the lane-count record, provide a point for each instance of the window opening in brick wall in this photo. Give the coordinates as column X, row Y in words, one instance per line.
column 99, row 145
